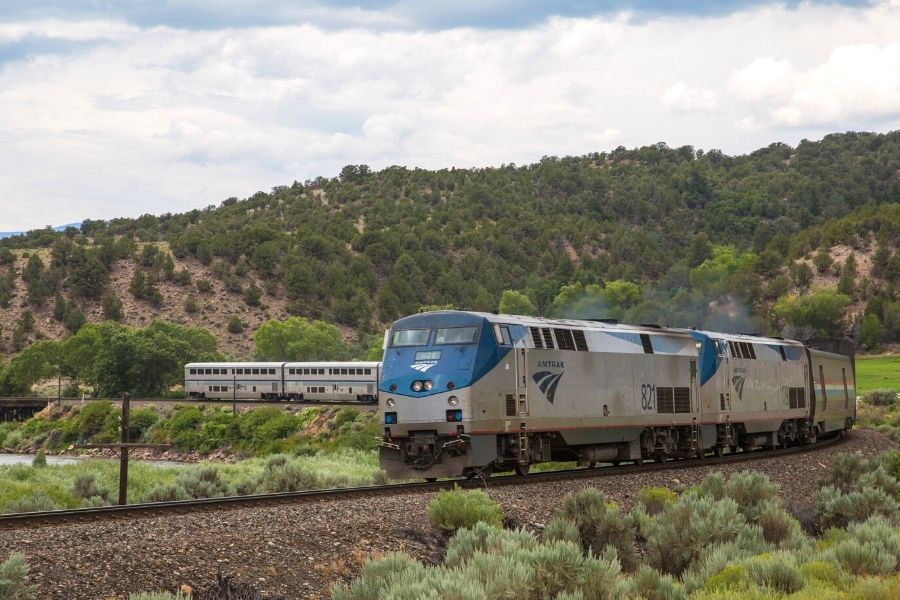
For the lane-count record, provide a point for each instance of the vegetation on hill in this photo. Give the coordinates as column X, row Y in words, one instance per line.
column 799, row 240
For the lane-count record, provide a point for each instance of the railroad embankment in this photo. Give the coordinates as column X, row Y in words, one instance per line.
column 302, row 550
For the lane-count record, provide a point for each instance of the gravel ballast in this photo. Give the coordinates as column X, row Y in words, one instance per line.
column 298, row 551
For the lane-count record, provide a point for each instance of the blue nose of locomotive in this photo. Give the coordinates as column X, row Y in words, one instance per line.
column 432, row 353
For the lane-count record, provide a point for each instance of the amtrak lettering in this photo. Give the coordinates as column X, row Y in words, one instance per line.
column 551, row 364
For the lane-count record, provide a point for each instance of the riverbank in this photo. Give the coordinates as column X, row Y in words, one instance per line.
column 192, row 433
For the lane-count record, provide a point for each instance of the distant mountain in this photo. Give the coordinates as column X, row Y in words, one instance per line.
column 6, row 234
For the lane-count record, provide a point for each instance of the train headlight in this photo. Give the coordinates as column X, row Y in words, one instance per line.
column 390, row 403
column 452, row 400
column 428, row 385
column 416, row 386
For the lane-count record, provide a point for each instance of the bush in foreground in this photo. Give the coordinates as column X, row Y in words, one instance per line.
column 704, row 545
column 14, row 579
column 599, row 526
column 455, row 509
column 884, row 397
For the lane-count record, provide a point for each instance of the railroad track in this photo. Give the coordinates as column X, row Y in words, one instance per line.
column 76, row 515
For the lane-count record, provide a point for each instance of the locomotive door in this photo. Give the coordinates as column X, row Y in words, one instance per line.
column 695, row 388
column 521, row 382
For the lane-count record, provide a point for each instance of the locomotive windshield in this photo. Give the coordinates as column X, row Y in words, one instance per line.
column 456, row 335
column 410, row 337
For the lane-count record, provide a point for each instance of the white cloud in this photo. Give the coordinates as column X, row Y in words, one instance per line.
column 683, row 97
column 133, row 120
column 857, row 81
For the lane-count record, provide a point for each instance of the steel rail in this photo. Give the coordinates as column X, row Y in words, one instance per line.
column 76, row 515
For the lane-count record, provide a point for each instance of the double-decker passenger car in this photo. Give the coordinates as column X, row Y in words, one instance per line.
column 243, row 381
column 332, row 381
column 296, row 381
column 465, row 392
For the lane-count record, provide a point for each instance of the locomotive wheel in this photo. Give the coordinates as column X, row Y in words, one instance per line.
column 719, row 451
column 523, row 469
column 431, row 479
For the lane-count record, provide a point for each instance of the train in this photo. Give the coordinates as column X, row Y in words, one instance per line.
column 289, row 381
column 463, row 393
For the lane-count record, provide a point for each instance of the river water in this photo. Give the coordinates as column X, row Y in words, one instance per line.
column 27, row 459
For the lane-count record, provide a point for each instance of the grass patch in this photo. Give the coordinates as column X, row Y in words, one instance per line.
column 877, row 372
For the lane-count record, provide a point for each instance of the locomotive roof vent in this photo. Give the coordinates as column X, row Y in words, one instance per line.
column 609, row 321
column 653, row 325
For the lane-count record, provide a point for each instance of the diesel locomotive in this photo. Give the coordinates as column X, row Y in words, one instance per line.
column 466, row 393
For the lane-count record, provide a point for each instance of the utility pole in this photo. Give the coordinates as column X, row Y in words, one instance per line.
column 123, row 446
column 123, row 456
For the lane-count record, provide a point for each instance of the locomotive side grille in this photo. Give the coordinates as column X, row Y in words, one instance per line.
column 673, row 400
column 548, row 338
column 580, row 341
column 665, row 400
column 510, row 405
column 564, row 339
column 536, row 337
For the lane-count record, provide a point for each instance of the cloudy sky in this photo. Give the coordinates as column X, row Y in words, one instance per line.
column 119, row 108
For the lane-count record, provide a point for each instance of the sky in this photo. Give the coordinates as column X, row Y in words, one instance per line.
column 116, row 109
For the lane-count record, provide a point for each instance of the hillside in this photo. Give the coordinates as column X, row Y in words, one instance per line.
column 656, row 234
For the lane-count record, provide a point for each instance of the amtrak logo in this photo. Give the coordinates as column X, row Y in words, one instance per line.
column 422, row 366
column 738, row 382
column 547, row 383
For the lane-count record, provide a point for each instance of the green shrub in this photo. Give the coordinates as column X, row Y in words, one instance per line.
column 824, row 571
column 749, row 489
column 167, row 492
column 562, row 529
column 377, row 577
column 92, row 418
column 14, row 579
column 85, row 486
column 885, row 397
column 731, row 577
column 204, row 482
column 140, row 421
column 485, row 538
column 677, row 536
column 712, row 559
column 656, row 499
column 40, row 460
column 288, row 477
column 870, row 548
column 235, row 325
column 455, row 509
column 600, row 525
column 650, row 584
column 837, row 509
column 779, row 528
column 32, row 503
column 184, row 427
column 778, row 572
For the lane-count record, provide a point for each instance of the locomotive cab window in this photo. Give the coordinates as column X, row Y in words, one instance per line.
column 501, row 334
column 410, row 337
column 456, row 335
